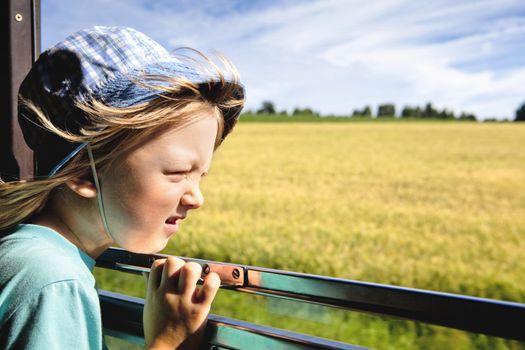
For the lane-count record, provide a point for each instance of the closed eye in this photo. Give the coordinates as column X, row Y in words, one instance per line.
column 176, row 176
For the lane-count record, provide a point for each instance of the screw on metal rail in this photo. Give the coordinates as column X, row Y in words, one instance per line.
column 18, row 17
column 205, row 269
column 236, row 273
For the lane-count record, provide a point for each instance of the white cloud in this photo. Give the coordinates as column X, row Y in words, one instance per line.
column 336, row 55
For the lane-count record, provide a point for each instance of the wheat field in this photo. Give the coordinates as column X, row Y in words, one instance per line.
column 431, row 205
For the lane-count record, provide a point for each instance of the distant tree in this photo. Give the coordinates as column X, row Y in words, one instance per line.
column 418, row 112
column 304, row 111
column 308, row 111
column 267, row 108
column 446, row 115
column 283, row 112
column 467, row 116
column 429, row 111
column 410, row 112
column 407, row 112
column 366, row 112
column 520, row 114
column 386, row 110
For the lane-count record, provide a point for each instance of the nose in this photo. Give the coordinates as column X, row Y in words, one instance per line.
column 193, row 198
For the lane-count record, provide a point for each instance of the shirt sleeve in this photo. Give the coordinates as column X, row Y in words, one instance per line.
column 61, row 315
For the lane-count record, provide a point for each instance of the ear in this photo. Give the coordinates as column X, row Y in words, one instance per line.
column 82, row 187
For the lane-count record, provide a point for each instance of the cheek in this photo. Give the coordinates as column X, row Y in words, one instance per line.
column 142, row 204
column 155, row 199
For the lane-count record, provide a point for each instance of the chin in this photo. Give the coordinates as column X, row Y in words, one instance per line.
column 146, row 247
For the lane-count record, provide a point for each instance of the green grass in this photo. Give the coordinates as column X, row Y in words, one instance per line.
column 428, row 205
column 283, row 118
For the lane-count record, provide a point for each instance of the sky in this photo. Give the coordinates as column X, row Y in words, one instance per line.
column 335, row 56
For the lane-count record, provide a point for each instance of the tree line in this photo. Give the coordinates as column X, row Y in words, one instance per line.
column 388, row 110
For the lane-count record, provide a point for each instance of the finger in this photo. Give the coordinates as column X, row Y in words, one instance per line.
column 154, row 275
column 209, row 289
column 171, row 272
column 189, row 275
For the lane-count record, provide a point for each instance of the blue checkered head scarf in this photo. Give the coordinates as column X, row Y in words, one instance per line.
column 102, row 63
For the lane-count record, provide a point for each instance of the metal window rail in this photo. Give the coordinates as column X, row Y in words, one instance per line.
column 479, row 315
column 122, row 318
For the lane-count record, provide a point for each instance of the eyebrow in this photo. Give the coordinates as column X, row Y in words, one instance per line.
column 178, row 158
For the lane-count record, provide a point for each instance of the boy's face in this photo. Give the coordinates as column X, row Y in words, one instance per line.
column 148, row 192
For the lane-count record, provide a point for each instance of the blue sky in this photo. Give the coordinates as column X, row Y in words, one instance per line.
column 337, row 55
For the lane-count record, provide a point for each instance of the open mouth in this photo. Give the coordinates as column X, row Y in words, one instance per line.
column 172, row 224
column 172, row 220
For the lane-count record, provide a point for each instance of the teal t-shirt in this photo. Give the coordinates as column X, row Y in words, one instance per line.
column 48, row 298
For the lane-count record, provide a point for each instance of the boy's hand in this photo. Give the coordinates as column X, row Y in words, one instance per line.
column 176, row 310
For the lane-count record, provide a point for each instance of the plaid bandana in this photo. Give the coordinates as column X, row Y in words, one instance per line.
column 101, row 63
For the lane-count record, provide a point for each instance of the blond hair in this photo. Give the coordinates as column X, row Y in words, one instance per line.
column 112, row 131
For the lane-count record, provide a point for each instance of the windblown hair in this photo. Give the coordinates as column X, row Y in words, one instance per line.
column 111, row 131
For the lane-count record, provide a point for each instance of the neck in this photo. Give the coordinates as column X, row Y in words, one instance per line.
column 78, row 224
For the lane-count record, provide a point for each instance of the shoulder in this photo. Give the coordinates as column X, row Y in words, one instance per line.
column 47, row 292
column 43, row 255
column 35, row 260
column 62, row 314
